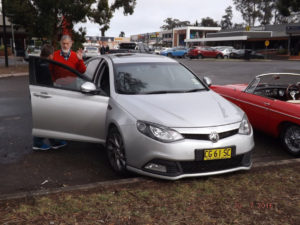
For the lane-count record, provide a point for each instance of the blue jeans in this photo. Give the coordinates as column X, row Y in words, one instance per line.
column 38, row 141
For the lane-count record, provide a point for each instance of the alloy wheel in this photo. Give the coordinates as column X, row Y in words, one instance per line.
column 116, row 151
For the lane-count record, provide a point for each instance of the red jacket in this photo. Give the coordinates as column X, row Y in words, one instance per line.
column 73, row 62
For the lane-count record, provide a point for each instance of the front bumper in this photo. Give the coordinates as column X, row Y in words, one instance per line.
column 184, row 169
column 179, row 158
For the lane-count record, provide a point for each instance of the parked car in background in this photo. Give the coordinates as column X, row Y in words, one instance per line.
column 200, row 52
column 32, row 50
column 154, row 116
column 175, row 52
column 90, row 51
column 226, row 50
column 132, row 47
column 272, row 104
column 245, row 54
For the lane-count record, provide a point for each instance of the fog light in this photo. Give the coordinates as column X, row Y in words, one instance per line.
column 156, row 167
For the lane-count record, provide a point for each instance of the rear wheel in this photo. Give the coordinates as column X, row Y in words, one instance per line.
column 116, row 151
column 290, row 138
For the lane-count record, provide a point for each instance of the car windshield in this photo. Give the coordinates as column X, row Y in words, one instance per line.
column 155, row 78
column 273, row 80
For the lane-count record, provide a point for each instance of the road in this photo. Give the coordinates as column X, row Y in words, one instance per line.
column 21, row 169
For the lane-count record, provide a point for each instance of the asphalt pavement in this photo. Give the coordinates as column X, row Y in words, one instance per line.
column 21, row 169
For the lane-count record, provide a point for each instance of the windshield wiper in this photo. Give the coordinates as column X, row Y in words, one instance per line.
column 171, row 91
column 195, row 90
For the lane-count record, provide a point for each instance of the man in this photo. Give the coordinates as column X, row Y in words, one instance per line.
column 71, row 59
column 44, row 78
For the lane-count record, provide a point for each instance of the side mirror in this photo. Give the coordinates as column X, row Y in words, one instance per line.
column 207, row 81
column 88, row 88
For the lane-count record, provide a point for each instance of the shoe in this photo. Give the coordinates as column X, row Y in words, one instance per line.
column 59, row 144
column 43, row 147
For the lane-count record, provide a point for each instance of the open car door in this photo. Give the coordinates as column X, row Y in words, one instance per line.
column 60, row 109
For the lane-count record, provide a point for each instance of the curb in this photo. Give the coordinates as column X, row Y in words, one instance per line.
column 104, row 184
column 13, row 75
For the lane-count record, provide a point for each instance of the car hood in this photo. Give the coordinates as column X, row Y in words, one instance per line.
column 199, row 109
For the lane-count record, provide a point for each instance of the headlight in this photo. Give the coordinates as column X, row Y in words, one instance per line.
column 245, row 127
column 158, row 132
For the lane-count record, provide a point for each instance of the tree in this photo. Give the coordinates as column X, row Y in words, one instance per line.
column 122, row 34
column 249, row 10
column 41, row 18
column 208, row 22
column 267, row 9
column 287, row 7
column 173, row 23
column 226, row 22
column 104, row 12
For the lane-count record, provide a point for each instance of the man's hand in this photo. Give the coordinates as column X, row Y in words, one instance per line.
column 79, row 54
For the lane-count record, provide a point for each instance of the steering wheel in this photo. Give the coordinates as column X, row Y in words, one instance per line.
column 293, row 91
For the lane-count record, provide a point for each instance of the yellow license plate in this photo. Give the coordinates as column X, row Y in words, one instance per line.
column 220, row 153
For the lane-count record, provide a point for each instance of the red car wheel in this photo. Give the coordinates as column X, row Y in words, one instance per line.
column 290, row 138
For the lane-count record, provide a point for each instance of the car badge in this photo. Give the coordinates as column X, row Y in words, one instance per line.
column 214, row 136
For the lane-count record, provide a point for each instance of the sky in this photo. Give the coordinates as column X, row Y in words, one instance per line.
column 149, row 15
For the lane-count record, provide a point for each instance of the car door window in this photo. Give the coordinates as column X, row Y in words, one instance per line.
column 91, row 67
column 49, row 73
column 103, row 81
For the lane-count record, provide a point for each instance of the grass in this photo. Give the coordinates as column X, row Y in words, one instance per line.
column 267, row 196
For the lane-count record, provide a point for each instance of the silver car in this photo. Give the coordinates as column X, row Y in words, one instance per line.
column 154, row 116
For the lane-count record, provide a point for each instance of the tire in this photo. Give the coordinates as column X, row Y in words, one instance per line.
column 184, row 56
column 200, row 56
column 290, row 138
column 169, row 55
column 116, row 151
column 226, row 57
column 219, row 56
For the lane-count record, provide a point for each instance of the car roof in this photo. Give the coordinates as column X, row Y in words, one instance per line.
column 139, row 58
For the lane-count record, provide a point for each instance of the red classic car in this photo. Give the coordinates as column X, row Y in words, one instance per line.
column 272, row 104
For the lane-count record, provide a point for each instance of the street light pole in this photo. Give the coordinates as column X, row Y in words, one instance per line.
column 4, row 34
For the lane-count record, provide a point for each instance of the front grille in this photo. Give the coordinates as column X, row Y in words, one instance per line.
column 210, row 166
column 206, row 136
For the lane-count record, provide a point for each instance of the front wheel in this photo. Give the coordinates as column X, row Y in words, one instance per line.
column 290, row 138
column 116, row 151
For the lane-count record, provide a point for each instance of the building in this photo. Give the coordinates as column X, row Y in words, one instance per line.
column 151, row 39
column 283, row 37
column 175, row 37
column 182, row 36
column 112, row 42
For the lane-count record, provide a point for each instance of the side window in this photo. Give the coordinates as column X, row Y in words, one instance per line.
column 103, row 81
column 52, row 74
column 91, row 67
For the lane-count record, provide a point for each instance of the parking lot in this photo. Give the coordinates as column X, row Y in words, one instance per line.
column 21, row 169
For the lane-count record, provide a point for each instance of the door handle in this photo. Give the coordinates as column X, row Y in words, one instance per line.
column 42, row 95
column 267, row 103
